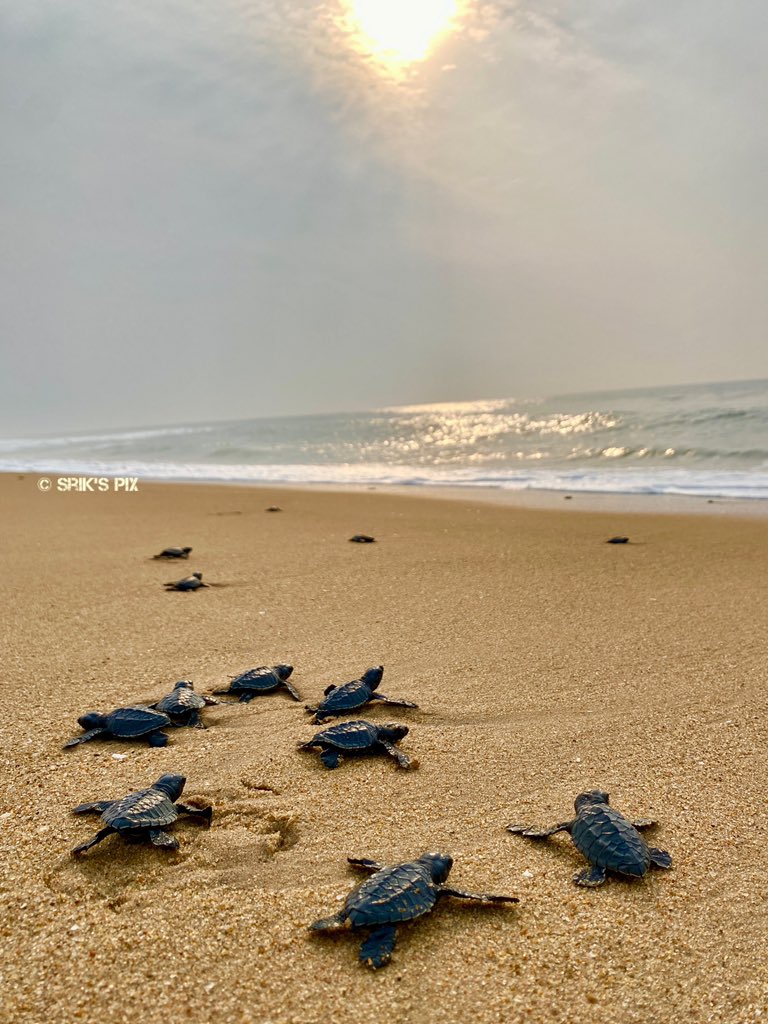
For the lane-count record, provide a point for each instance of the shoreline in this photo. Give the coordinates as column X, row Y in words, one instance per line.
column 620, row 502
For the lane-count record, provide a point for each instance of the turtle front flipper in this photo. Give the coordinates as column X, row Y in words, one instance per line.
column 364, row 864
column 482, row 897
column 660, row 858
column 330, row 757
column 402, row 759
column 92, row 734
column 194, row 721
column 212, row 700
column 642, row 823
column 97, row 807
column 534, row 833
column 292, row 690
column 159, row 838
column 377, row 949
column 591, row 877
column 206, row 813
column 108, row 831
column 394, row 703
column 157, row 739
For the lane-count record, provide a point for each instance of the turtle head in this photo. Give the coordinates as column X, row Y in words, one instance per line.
column 186, row 550
column 438, row 864
column 592, row 796
column 184, row 684
column 283, row 671
column 197, row 575
column 372, row 677
column 392, row 732
column 92, row 720
column 171, row 785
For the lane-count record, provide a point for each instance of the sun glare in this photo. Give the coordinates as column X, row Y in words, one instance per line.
column 399, row 32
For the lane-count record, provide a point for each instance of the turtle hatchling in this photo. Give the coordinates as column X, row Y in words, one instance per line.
column 261, row 680
column 362, row 538
column 183, row 705
column 144, row 815
column 132, row 723
column 609, row 841
column 174, row 553
column 193, row 582
column 339, row 700
column 394, row 895
column 360, row 738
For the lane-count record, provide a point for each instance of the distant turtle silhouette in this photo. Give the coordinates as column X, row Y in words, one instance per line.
column 362, row 538
column 193, row 582
column 174, row 553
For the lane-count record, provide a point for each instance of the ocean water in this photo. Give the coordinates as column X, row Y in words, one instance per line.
column 707, row 440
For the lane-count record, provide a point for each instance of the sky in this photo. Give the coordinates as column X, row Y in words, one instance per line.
column 236, row 208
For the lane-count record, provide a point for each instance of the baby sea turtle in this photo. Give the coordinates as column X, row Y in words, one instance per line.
column 193, row 582
column 143, row 815
column 132, row 723
column 362, row 538
column 273, row 508
column 261, row 680
column 183, row 705
column 174, row 553
column 608, row 840
column 339, row 700
column 359, row 738
column 617, row 540
column 393, row 895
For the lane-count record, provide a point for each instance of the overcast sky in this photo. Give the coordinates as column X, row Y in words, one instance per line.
column 234, row 208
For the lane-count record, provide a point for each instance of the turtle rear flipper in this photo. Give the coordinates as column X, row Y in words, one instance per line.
column 642, row 823
column 331, row 924
column 329, row 689
column 590, row 877
column 108, row 831
column 157, row 739
column 97, row 807
column 660, row 858
column 159, row 838
column 377, row 949
column 92, row 734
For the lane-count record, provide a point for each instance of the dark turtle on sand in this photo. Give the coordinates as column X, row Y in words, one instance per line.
column 608, row 840
column 339, row 700
column 144, row 815
column 193, row 582
column 183, row 705
column 359, row 738
column 617, row 540
column 174, row 553
column 273, row 508
column 362, row 538
column 132, row 723
column 392, row 896
column 256, row 681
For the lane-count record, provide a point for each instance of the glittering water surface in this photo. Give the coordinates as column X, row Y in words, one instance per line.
column 702, row 439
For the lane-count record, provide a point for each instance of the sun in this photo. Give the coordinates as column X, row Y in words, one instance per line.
column 400, row 31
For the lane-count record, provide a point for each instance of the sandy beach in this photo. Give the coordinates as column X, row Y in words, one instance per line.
column 544, row 661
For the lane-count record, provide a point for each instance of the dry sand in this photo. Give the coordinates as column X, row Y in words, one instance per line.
column 545, row 662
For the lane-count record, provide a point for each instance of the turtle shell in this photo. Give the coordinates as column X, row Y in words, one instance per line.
column 260, row 680
column 357, row 735
column 399, row 893
column 177, row 702
column 135, row 721
column 147, row 808
column 347, row 697
column 609, row 841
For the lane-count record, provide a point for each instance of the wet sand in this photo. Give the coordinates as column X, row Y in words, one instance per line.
column 545, row 662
